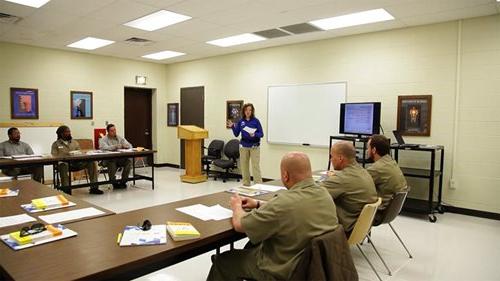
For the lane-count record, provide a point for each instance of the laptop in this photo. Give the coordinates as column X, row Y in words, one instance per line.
column 401, row 142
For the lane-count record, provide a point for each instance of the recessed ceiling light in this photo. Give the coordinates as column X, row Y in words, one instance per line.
column 157, row 20
column 236, row 40
column 163, row 55
column 31, row 3
column 90, row 43
column 360, row 18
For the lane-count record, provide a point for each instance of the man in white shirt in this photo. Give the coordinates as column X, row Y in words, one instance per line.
column 113, row 142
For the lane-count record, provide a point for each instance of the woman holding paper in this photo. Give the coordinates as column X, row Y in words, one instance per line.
column 251, row 133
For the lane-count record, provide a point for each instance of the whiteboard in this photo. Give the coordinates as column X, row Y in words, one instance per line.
column 304, row 114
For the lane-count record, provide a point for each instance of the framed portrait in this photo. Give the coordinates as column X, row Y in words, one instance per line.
column 233, row 111
column 414, row 115
column 172, row 114
column 81, row 105
column 23, row 103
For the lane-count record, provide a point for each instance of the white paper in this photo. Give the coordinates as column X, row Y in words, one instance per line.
column 198, row 211
column 16, row 219
column 4, row 179
column 11, row 193
column 66, row 233
column 126, row 150
column 133, row 235
column 249, row 130
column 267, row 187
column 205, row 213
column 32, row 209
column 217, row 212
column 19, row 156
column 71, row 215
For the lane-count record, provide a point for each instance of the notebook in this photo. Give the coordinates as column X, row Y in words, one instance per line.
column 135, row 236
column 182, row 231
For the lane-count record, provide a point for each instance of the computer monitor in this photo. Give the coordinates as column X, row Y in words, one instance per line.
column 360, row 118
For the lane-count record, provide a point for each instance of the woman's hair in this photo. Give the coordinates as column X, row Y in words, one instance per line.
column 245, row 107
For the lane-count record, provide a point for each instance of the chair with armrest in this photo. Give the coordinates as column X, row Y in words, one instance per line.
column 361, row 229
column 214, row 152
column 232, row 152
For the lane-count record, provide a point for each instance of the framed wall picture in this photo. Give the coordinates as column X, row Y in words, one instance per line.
column 233, row 111
column 414, row 115
column 81, row 105
column 172, row 114
column 23, row 103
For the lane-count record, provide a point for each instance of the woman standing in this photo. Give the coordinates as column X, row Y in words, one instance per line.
column 251, row 133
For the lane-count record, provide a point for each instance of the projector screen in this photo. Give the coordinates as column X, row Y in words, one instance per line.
column 304, row 114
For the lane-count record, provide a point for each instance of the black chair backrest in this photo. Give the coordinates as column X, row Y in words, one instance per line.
column 215, row 148
column 394, row 208
column 232, row 149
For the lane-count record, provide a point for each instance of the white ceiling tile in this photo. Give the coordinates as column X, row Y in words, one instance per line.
column 84, row 6
column 122, row 11
column 199, row 8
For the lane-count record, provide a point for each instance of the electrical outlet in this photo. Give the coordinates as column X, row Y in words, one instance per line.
column 453, row 184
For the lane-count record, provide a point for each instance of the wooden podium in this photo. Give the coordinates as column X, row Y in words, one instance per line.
column 192, row 136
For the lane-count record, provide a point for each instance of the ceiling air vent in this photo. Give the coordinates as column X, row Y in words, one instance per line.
column 138, row 41
column 272, row 33
column 9, row 19
column 300, row 28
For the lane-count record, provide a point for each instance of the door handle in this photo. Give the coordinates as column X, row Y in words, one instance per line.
column 146, row 133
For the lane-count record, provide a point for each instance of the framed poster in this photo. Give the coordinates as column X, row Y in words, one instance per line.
column 414, row 115
column 81, row 105
column 23, row 103
column 172, row 114
column 233, row 111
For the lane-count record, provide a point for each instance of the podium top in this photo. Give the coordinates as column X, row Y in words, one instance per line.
column 190, row 132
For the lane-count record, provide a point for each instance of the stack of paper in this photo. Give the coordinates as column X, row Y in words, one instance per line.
column 6, row 192
column 205, row 213
column 21, row 156
column 47, row 203
column 53, row 233
column 266, row 187
column 72, row 215
column 247, row 191
column 249, row 130
column 182, row 231
column 134, row 235
column 13, row 220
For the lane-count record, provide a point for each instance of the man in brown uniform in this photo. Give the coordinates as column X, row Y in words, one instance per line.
column 280, row 229
column 385, row 172
column 62, row 147
column 350, row 186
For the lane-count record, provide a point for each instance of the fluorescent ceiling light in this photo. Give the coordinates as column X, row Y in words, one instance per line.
column 360, row 18
column 31, row 3
column 157, row 20
column 236, row 40
column 163, row 55
column 90, row 43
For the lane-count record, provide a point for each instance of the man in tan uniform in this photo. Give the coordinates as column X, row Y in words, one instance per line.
column 62, row 147
column 350, row 186
column 280, row 229
column 386, row 174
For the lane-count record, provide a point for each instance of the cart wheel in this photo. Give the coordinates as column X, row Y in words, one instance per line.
column 440, row 209
column 432, row 218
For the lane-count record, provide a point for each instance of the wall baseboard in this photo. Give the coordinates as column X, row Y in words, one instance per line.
column 159, row 165
column 471, row 212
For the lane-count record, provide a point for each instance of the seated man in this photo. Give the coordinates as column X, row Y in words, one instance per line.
column 14, row 146
column 62, row 147
column 113, row 142
column 280, row 229
column 350, row 186
column 386, row 174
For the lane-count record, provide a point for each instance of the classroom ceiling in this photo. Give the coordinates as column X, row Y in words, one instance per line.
column 62, row 22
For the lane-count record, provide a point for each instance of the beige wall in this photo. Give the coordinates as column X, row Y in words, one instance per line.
column 456, row 63
column 378, row 67
column 55, row 73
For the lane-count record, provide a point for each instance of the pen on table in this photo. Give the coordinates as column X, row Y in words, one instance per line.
column 119, row 238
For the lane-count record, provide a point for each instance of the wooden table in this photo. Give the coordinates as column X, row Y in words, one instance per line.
column 54, row 160
column 94, row 253
column 30, row 189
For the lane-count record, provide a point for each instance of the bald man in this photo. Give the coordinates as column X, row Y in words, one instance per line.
column 280, row 229
column 351, row 186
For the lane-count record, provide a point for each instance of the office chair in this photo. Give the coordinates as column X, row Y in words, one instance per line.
column 214, row 151
column 232, row 152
